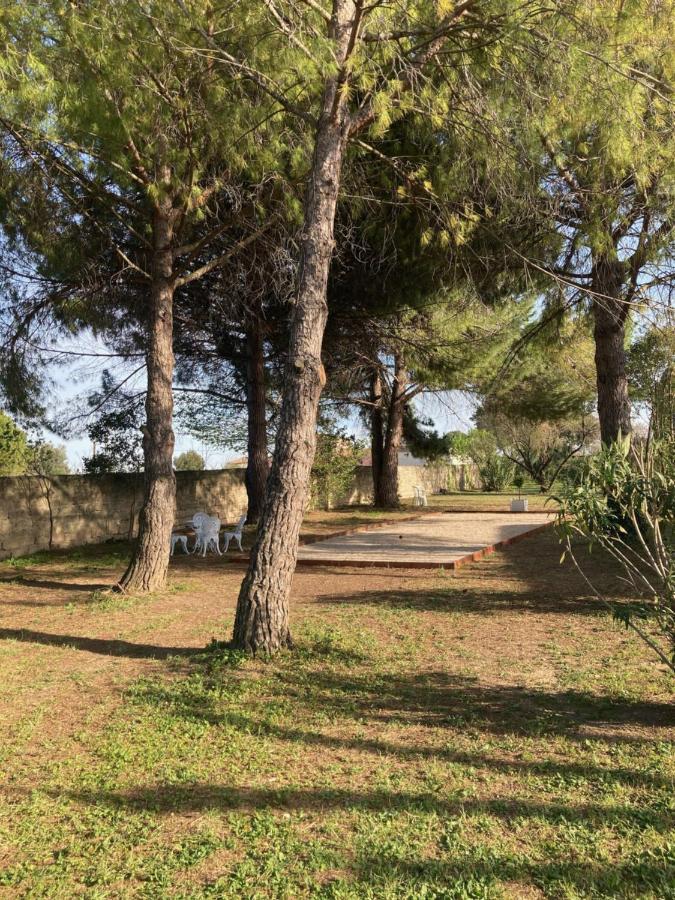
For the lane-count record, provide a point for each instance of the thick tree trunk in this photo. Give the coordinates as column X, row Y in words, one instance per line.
column 257, row 467
column 386, row 493
column 376, row 431
column 262, row 617
column 609, row 332
column 150, row 561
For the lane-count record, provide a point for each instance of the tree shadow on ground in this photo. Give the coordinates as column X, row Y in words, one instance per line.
column 54, row 585
column 201, row 796
column 438, row 699
column 106, row 647
column 481, row 865
column 457, row 599
column 464, row 706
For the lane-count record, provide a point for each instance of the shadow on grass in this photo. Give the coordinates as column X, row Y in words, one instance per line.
column 472, row 861
column 200, row 796
column 480, row 870
column 97, row 645
column 435, row 700
column 53, row 585
column 451, row 600
column 503, row 718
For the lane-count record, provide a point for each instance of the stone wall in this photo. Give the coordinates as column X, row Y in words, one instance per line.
column 86, row 509
column 433, row 478
column 71, row 510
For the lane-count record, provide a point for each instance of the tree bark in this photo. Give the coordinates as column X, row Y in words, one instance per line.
column 386, row 494
column 610, row 315
column 150, row 561
column 262, row 617
column 257, row 466
column 376, row 431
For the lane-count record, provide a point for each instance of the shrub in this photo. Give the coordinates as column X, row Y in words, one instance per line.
column 494, row 469
column 624, row 502
column 335, row 462
column 496, row 473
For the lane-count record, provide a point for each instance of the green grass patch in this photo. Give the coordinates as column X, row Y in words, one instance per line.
column 408, row 747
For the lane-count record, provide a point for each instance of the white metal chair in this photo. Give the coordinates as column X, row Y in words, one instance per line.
column 206, row 528
column 234, row 535
column 197, row 521
column 209, row 534
column 420, row 496
column 180, row 539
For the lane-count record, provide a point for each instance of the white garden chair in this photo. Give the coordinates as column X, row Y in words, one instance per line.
column 207, row 529
column 234, row 535
column 197, row 521
column 178, row 539
column 208, row 535
column 420, row 496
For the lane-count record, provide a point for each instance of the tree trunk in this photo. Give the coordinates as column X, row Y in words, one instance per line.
column 262, row 617
column 150, row 561
column 386, row 494
column 610, row 316
column 376, row 431
column 257, row 466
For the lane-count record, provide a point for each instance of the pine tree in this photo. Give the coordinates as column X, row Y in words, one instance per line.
column 377, row 64
column 599, row 122
column 128, row 145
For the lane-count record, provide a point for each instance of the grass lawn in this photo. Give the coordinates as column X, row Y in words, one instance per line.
column 483, row 734
column 477, row 501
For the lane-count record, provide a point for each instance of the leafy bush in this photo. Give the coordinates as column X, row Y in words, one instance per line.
column 496, row 473
column 480, row 446
column 337, row 456
column 624, row 502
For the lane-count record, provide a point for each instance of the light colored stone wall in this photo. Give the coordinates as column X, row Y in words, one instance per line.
column 432, row 478
column 88, row 509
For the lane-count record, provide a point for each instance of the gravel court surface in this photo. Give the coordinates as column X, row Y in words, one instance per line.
column 438, row 539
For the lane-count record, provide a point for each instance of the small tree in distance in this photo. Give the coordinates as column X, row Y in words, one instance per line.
column 47, row 459
column 189, row 461
column 335, row 462
column 13, row 447
column 481, row 447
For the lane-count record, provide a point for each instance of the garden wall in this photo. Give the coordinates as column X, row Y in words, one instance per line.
column 70, row 510
column 433, row 478
column 86, row 509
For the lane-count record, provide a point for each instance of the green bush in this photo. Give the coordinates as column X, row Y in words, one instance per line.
column 496, row 473
column 624, row 502
column 335, row 461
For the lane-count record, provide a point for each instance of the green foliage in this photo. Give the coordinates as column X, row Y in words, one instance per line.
column 190, row 460
column 211, row 421
column 480, row 446
column 14, row 452
column 651, row 370
column 539, row 409
column 624, row 503
column 112, row 116
column 47, row 459
column 495, row 473
column 458, row 443
column 541, row 449
column 421, row 439
column 335, row 461
column 115, row 431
